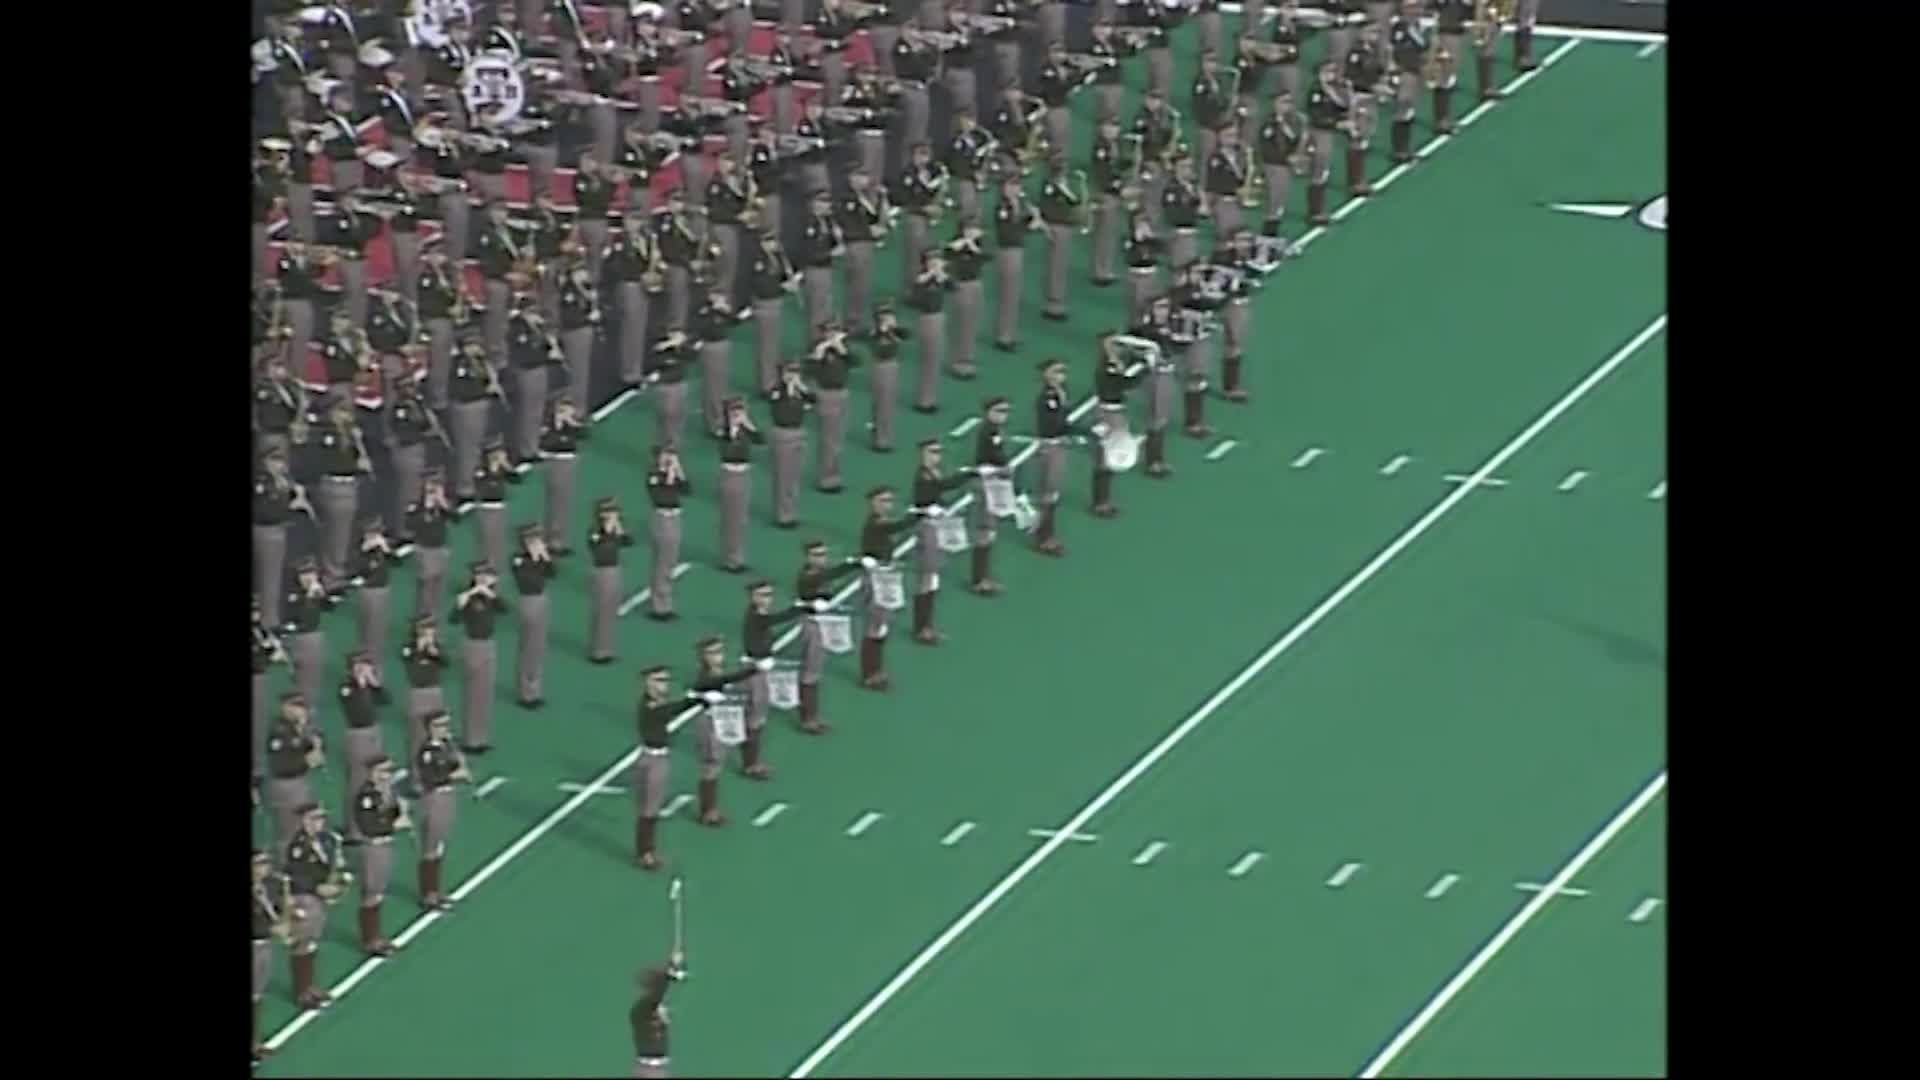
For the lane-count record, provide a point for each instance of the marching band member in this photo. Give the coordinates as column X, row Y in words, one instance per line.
column 812, row 134
column 1011, row 124
column 449, row 159
column 490, row 482
column 1060, row 209
column 928, row 296
column 1190, row 345
column 343, row 353
column 373, row 575
column 580, row 321
column 726, row 199
column 361, row 696
column 1525, row 14
column 393, row 105
column 269, row 195
column 1013, row 219
column 928, row 487
column 277, row 406
column 863, row 222
column 1160, row 374
column 555, row 243
column 272, row 921
column 1052, row 428
column 756, row 643
column 1144, row 248
column 267, row 650
column 770, row 279
column 427, row 522
column 832, row 28
column 472, row 388
column 1109, row 80
column 710, row 680
column 1156, row 129
column 1208, row 13
column 1253, row 59
column 634, row 269
column 449, row 64
column 593, row 192
column 713, row 327
column 560, row 443
column 1239, row 255
column 828, row 363
column 960, row 56
column 376, row 815
column 1212, row 110
column 1110, row 169
column 1380, row 15
column 339, row 140
column 1163, row 16
column 1408, row 42
column 298, row 273
column 678, row 247
column 814, row 589
column 442, row 312
column 1015, row 21
column 877, row 535
column 768, row 170
column 966, row 161
column 1058, row 81
column 309, row 864
column 1180, row 208
column 1364, row 73
column 292, row 753
column 438, row 766
column 424, row 663
column 1229, row 173
column 1345, row 15
column 1280, row 143
column 650, row 775
column 967, row 258
column 533, row 570
column 343, row 458
column 1486, row 49
column 1450, row 24
column 738, row 436
column 1327, row 110
column 604, row 542
column 916, row 63
column 1114, row 375
column 885, row 373
column 503, row 250
column 530, row 349
column 1287, row 37
column 922, row 186
column 667, row 485
column 989, row 461
column 276, row 497
column 350, row 232
column 789, row 400
column 820, row 245
column 477, row 607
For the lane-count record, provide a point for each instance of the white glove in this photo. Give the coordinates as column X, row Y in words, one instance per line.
column 820, row 607
column 869, row 561
column 714, row 697
column 765, row 664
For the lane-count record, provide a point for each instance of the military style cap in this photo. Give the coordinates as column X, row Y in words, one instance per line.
column 374, row 523
column 711, row 643
column 656, row 669
column 606, row 503
column 929, row 444
column 1052, row 362
column 495, row 442
column 383, row 159
column 876, row 492
column 261, row 856
column 382, row 761
column 530, row 530
column 820, row 194
column 736, row 403
column 757, row 585
column 882, row 305
column 439, row 716
column 307, row 565
column 480, row 566
column 293, row 697
column 360, row 657
column 815, row 545
column 996, row 402
column 308, row 807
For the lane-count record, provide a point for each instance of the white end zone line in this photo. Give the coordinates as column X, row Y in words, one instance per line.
column 1199, row 716
column 1514, row 925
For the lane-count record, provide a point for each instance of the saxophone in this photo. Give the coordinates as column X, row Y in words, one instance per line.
column 1253, row 182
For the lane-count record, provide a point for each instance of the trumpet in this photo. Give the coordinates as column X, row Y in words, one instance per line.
column 1138, row 37
column 788, row 146
column 764, row 70
column 967, row 243
column 1268, row 52
column 984, row 25
column 943, row 40
column 850, row 115
column 1253, row 182
column 338, row 876
column 1488, row 18
column 703, row 108
column 1439, row 59
column 861, row 12
column 680, row 39
column 283, row 913
column 1088, row 64
column 583, row 99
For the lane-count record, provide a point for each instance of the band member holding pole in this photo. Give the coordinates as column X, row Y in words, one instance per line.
column 377, row 814
column 814, row 593
column 478, row 606
column 648, row 1018
column 667, row 485
column 438, row 767
column 604, row 542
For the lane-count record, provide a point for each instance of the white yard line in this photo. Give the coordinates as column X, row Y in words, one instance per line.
column 1549, row 890
column 1149, row 853
column 1343, row 875
column 1645, row 910
column 1245, row 863
column 1573, row 479
column 1186, row 727
column 765, row 817
column 956, row 834
column 963, row 427
column 1649, row 49
column 489, row 787
column 1395, row 465
column 1306, row 457
column 1222, row 450
column 1659, row 491
column 1048, row 834
column 1439, row 888
column 611, row 406
column 867, row 821
column 1620, row 820
column 643, row 595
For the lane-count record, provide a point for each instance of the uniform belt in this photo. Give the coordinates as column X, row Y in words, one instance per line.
column 672, row 511
column 653, row 1062
column 438, row 788
column 348, row 479
column 378, row 841
column 736, row 466
column 493, row 504
column 563, row 455
column 655, row 751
